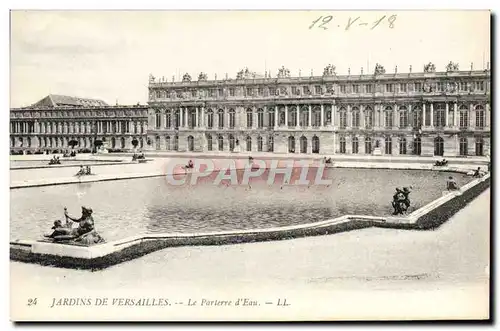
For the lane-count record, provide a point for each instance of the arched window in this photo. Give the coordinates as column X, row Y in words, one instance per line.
column 220, row 118
column 249, row 118
column 292, row 116
column 388, row 145
column 417, row 117
column 123, row 142
column 220, row 140
column 417, row 146
column 167, row 143
column 190, row 141
column 113, row 142
column 479, row 146
column 480, row 116
column 342, row 145
column 463, row 146
column 291, row 144
column 231, row 142
column 463, row 117
column 260, row 118
column 210, row 119
column 402, row 146
column 304, row 116
column 176, row 143
column 158, row 119
column 249, row 144
column 29, row 142
column 388, row 113
column 232, row 118
column 316, row 117
column 168, row 123
column 281, row 116
column 270, row 144
column 369, row 117
column 368, row 145
column 315, row 144
column 403, row 117
column 191, row 113
column 177, row 118
column 259, row 144
column 438, row 146
column 343, row 118
column 440, row 115
column 157, row 143
column 328, row 115
column 355, row 145
column 303, row 144
column 141, row 143
column 209, row 142
column 271, row 116
column 355, row 117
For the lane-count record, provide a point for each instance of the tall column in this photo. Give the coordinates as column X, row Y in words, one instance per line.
column 447, row 108
column 322, row 116
column 333, row 114
column 203, row 116
column 286, row 116
column 395, row 116
column 487, row 116
column 275, row 109
column 472, row 119
column 164, row 120
column 424, row 111
column 432, row 115
column 309, row 123
column 196, row 120
column 455, row 114
column 362, row 119
column 297, row 118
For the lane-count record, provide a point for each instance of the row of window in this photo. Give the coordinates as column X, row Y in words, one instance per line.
column 416, row 148
column 54, row 142
column 329, row 88
column 173, row 143
column 80, row 113
column 406, row 118
column 78, row 127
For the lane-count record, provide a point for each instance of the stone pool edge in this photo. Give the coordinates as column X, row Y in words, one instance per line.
column 105, row 255
column 110, row 177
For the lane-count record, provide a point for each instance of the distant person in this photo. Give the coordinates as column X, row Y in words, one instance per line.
column 451, row 185
column 477, row 172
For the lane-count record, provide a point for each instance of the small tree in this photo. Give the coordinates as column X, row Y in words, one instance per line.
column 73, row 143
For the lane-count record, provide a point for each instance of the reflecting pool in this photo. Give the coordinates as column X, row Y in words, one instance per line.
column 130, row 207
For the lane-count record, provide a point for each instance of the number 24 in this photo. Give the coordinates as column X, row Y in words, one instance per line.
column 32, row 302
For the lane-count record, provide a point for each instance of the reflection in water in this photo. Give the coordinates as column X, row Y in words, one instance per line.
column 129, row 207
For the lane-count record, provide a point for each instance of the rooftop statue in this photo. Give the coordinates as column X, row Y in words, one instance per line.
column 379, row 69
column 283, row 72
column 151, row 78
column 451, row 67
column 186, row 78
column 245, row 74
column 202, row 76
column 429, row 67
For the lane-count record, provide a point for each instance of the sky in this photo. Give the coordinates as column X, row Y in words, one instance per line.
column 109, row 55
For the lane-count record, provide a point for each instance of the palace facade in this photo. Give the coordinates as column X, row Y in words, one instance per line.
column 58, row 123
column 416, row 113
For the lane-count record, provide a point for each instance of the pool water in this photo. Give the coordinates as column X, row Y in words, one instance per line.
column 42, row 163
column 151, row 205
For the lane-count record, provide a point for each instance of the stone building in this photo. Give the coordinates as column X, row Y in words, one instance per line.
column 58, row 123
column 424, row 113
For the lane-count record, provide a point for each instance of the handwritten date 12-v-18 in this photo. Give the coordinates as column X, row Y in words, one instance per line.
column 323, row 22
